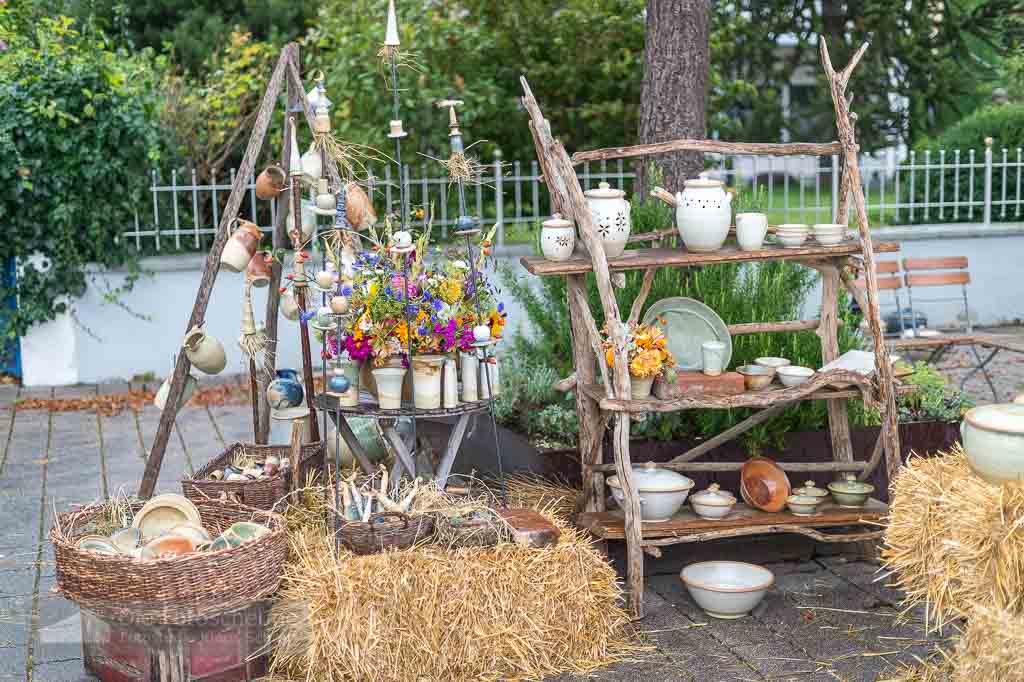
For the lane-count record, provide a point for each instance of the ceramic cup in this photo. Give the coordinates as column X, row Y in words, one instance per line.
column 713, row 355
column 750, row 230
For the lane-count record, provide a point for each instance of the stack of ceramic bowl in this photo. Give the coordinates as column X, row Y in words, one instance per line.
column 792, row 235
column 829, row 234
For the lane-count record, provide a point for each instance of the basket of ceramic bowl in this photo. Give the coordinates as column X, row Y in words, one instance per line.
column 175, row 577
column 386, row 530
column 254, row 475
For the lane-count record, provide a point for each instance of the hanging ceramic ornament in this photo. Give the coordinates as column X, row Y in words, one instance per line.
column 253, row 340
column 326, row 203
column 312, row 165
column 358, row 208
column 289, row 306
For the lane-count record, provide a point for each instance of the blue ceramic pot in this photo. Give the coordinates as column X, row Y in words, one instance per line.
column 338, row 383
column 286, row 390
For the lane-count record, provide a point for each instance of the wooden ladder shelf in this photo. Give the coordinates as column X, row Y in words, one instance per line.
column 608, row 400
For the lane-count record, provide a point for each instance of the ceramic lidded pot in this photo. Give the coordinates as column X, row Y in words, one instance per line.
column 662, row 491
column 204, row 352
column 712, row 503
column 286, row 390
column 850, row 492
column 557, row 238
column 810, row 490
column 703, row 214
column 993, row 437
column 240, row 247
column 610, row 212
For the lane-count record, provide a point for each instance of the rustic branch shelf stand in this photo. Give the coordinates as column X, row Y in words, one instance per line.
column 609, row 399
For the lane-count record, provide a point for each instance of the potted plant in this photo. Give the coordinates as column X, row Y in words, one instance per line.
column 751, row 219
column 647, row 355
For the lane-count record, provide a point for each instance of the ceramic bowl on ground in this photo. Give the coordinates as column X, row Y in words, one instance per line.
column 126, row 539
column 727, row 589
column 712, row 503
column 194, row 532
column 756, row 377
column 97, row 543
column 794, row 375
column 772, row 362
column 803, row 505
column 662, row 491
column 993, row 437
column 764, row 485
column 850, row 492
column 171, row 545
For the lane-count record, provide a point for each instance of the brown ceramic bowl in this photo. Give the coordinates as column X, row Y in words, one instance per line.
column 171, row 545
column 764, row 485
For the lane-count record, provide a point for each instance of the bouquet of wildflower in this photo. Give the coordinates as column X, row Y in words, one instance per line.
column 647, row 352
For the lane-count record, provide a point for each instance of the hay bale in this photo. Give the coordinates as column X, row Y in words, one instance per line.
column 991, row 647
column 438, row 614
column 553, row 496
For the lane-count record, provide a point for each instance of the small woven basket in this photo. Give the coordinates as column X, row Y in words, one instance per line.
column 387, row 530
column 263, row 493
column 174, row 590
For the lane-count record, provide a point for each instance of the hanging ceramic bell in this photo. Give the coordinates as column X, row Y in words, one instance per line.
column 312, row 165
column 325, row 201
column 270, row 182
column 358, row 208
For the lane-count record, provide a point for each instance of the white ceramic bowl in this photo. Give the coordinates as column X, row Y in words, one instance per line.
column 662, row 492
column 993, row 437
column 803, row 505
column 793, row 375
column 772, row 362
column 727, row 589
column 791, row 242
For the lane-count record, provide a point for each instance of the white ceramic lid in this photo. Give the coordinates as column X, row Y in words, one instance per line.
column 651, row 479
column 714, row 497
column 702, row 181
column 604, row 191
column 810, row 490
column 556, row 220
column 1006, row 418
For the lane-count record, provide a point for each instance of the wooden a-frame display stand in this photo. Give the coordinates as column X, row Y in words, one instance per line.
column 286, row 75
column 610, row 399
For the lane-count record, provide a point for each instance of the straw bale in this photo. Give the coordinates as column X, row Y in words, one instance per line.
column 553, row 496
column 991, row 647
column 433, row 613
column 954, row 541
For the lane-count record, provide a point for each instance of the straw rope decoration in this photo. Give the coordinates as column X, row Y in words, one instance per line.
column 253, row 341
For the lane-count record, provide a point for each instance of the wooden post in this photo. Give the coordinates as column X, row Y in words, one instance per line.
column 182, row 366
column 851, row 176
column 299, row 292
column 828, row 333
column 591, row 436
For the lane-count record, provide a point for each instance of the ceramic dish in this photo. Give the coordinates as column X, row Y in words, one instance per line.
column 794, row 375
column 712, row 503
column 662, row 491
column 727, row 589
column 196, row 533
column 810, row 490
column 849, row 492
column 171, row 545
column 688, row 323
column 126, row 539
column 993, row 437
column 772, row 362
column 164, row 512
column 764, row 485
column 803, row 505
column 97, row 543
column 756, row 377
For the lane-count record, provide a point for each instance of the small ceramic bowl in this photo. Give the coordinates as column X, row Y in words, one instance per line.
column 791, row 242
column 850, row 492
column 803, row 505
column 171, row 545
column 772, row 362
column 794, row 375
column 810, row 490
column 193, row 531
column 713, row 503
column 97, row 543
column 727, row 589
column 756, row 377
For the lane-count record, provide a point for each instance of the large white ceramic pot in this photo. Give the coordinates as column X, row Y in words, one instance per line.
column 703, row 214
column 993, row 438
column 426, row 381
column 389, row 387
column 662, row 491
column 557, row 238
column 610, row 211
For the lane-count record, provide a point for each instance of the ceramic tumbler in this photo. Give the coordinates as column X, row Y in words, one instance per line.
column 713, row 355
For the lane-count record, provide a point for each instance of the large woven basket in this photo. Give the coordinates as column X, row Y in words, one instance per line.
column 387, row 530
column 260, row 494
column 174, row 590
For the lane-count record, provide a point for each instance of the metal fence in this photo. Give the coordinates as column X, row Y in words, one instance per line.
column 939, row 186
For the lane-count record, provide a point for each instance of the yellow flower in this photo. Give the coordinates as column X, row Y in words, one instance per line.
column 450, row 290
column 646, row 364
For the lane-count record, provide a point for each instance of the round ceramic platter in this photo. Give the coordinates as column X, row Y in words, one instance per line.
column 688, row 324
column 164, row 512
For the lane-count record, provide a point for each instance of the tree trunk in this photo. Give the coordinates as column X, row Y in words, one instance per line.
column 673, row 98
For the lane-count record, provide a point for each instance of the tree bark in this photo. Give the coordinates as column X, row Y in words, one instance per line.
column 673, row 97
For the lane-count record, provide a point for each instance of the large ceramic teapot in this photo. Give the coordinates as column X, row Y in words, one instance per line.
column 703, row 214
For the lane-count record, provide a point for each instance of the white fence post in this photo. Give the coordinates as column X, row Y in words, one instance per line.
column 499, row 199
column 988, row 181
column 835, row 191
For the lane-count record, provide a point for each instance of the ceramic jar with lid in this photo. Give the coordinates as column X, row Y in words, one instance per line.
column 712, row 503
column 557, row 238
column 703, row 214
column 610, row 212
column 993, row 437
column 810, row 490
column 849, row 492
column 662, row 491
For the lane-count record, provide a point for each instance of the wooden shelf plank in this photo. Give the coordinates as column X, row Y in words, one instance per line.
column 713, row 146
column 640, row 259
column 609, row 525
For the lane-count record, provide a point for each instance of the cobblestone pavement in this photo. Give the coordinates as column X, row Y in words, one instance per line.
column 825, row 619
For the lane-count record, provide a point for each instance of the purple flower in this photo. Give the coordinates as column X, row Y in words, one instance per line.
column 411, row 309
column 346, row 290
column 438, row 305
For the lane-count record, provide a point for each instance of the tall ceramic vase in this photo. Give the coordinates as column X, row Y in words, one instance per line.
column 389, row 387
column 470, row 365
column 450, row 385
column 426, row 378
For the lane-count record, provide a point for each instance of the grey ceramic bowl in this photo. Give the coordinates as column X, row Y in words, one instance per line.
column 850, row 492
column 756, row 377
column 727, row 589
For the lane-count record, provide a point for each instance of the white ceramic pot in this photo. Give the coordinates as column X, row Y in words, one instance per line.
column 727, row 589
column 662, row 491
column 703, row 214
column 204, row 352
column 470, row 366
column 640, row 387
column 713, row 357
column 426, row 381
column 751, row 229
column 312, row 165
column 712, row 503
column 993, row 437
column 557, row 238
column 389, row 387
column 450, row 387
column 610, row 212
column 186, row 392
column 289, row 306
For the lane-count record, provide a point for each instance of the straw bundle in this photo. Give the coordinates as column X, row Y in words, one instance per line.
column 953, row 540
column 438, row 614
column 992, row 647
column 553, row 496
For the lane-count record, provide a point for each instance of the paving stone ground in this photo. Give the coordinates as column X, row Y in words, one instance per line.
column 825, row 619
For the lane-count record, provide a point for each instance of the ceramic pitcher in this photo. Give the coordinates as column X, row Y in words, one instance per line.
column 610, row 212
column 204, row 352
column 241, row 247
column 703, row 214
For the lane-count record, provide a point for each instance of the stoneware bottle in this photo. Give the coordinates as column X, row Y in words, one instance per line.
column 557, row 238
column 240, row 247
column 610, row 211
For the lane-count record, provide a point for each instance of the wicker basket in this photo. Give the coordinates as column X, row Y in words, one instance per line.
column 260, row 494
column 387, row 530
column 174, row 590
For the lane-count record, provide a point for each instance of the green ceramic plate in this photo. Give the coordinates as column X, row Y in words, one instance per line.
column 688, row 323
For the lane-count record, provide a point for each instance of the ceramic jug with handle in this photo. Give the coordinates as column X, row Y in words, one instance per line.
column 703, row 214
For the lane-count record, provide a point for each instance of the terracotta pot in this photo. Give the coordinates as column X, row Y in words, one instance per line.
column 241, row 247
column 258, row 269
column 358, row 208
column 270, row 182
